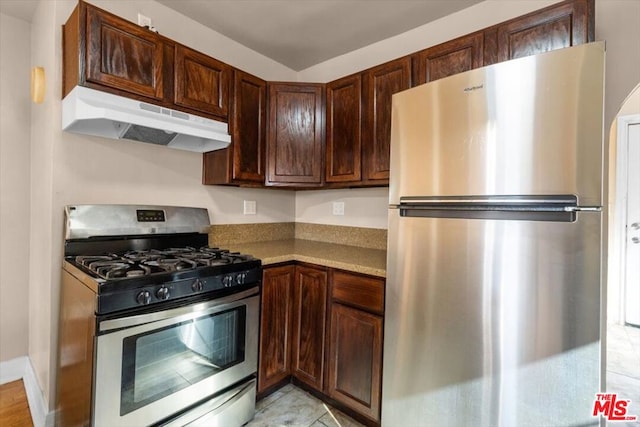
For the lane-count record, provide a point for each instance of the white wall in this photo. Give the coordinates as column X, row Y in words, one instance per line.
column 365, row 207
column 616, row 203
column 14, row 187
column 618, row 23
column 43, row 300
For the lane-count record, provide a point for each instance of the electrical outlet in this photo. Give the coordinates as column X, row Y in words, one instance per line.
column 338, row 208
column 144, row 21
column 249, row 207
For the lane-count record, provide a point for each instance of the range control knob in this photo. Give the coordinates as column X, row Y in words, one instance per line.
column 227, row 281
column 197, row 286
column 163, row 293
column 143, row 297
column 240, row 278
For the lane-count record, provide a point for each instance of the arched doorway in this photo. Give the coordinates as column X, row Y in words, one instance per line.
column 623, row 293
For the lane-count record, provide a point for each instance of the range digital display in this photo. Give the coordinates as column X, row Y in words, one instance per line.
column 150, row 215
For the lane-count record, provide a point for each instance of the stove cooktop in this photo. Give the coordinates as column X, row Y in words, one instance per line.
column 151, row 262
column 139, row 278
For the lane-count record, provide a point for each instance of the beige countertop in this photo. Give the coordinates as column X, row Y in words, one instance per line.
column 344, row 257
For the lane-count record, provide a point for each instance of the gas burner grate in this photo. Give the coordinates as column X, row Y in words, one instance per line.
column 173, row 251
column 128, row 270
column 139, row 263
column 138, row 256
column 171, row 264
column 88, row 260
column 208, row 258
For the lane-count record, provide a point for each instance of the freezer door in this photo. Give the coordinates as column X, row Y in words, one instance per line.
column 492, row 322
column 528, row 126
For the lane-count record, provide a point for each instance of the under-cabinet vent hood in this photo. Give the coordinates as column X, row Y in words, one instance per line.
column 92, row 112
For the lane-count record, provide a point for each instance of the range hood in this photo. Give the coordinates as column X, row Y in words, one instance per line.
column 92, row 112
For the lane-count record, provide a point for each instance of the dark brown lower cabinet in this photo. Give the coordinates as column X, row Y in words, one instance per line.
column 355, row 359
column 323, row 327
column 275, row 326
column 309, row 322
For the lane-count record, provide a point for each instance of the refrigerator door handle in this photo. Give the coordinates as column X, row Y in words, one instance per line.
column 567, row 199
column 489, row 207
column 556, row 208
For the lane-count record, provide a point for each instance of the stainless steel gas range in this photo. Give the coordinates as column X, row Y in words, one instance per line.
column 156, row 328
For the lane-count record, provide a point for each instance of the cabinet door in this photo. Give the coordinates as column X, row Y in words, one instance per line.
column 344, row 106
column 243, row 161
column 295, row 135
column 379, row 84
column 123, row 56
column 201, row 82
column 309, row 319
column 355, row 359
column 275, row 326
column 462, row 54
column 563, row 25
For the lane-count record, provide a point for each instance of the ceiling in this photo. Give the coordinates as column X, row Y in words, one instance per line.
column 22, row 9
column 299, row 33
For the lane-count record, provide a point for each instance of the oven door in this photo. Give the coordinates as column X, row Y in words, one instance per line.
column 153, row 366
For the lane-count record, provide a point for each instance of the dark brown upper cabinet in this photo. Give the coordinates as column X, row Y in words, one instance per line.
column 379, row 84
column 561, row 25
column 295, row 136
column 123, row 55
column 108, row 53
column 201, row 82
column 462, row 54
column 344, row 143
column 243, row 162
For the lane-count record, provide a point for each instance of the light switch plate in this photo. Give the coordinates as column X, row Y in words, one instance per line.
column 338, row 208
column 249, row 207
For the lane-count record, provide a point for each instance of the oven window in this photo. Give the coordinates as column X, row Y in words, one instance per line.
column 164, row 361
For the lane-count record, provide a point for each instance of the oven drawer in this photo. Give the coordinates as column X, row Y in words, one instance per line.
column 233, row 408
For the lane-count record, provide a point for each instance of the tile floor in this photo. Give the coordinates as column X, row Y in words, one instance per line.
column 623, row 368
column 293, row 407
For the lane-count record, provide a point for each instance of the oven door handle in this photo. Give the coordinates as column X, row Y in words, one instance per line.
column 196, row 309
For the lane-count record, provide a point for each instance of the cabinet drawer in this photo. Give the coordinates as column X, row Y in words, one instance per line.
column 359, row 291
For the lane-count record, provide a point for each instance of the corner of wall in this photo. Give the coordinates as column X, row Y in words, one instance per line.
column 21, row 368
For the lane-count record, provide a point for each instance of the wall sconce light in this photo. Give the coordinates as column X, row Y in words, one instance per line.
column 38, row 84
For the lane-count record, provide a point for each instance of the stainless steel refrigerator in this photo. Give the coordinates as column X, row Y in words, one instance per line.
column 495, row 257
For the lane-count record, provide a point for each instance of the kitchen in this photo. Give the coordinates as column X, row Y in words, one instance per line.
column 60, row 168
